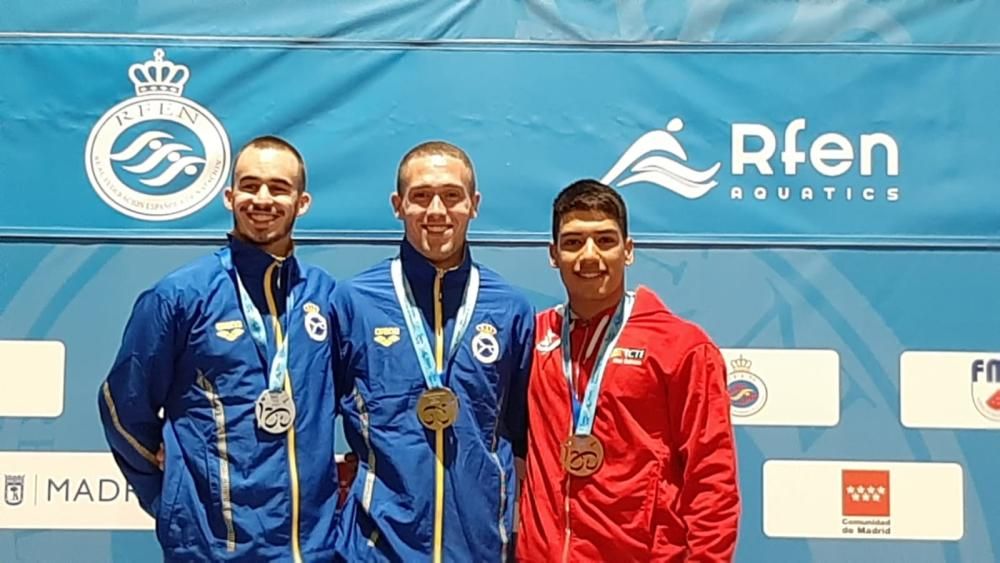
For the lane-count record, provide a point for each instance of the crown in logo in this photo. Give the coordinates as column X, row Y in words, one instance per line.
column 486, row 328
column 311, row 308
column 741, row 364
column 158, row 76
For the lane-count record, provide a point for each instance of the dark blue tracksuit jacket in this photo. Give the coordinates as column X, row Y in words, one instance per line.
column 231, row 492
column 391, row 512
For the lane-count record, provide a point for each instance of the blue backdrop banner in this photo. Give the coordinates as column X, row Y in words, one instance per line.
column 705, row 144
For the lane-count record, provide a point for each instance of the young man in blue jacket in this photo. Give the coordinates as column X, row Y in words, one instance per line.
column 235, row 350
column 432, row 355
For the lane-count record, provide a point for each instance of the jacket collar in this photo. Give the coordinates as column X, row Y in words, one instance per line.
column 645, row 301
column 251, row 261
column 420, row 271
column 576, row 321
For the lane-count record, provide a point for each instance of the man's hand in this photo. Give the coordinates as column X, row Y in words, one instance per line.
column 519, row 469
column 161, row 457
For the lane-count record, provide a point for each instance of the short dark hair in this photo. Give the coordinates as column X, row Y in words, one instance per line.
column 589, row 195
column 273, row 142
column 442, row 148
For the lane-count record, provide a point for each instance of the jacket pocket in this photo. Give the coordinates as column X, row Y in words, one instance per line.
column 172, row 478
column 669, row 530
column 221, row 489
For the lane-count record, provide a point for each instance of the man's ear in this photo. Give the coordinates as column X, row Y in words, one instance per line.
column 305, row 202
column 629, row 251
column 397, row 204
column 227, row 197
column 552, row 255
column 477, row 198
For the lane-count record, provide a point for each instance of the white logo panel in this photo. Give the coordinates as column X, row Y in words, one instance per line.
column 940, row 389
column 68, row 491
column 775, row 387
column 819, row 499
column 33, row 378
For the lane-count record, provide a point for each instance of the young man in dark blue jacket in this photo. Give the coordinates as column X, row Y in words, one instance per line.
column 432, row 355
column 235, row 350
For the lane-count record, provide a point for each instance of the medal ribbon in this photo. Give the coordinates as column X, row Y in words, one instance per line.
column 415, row 322
column 278, row 365
column 584, row 413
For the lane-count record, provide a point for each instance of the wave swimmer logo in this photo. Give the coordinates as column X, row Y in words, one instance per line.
column 157, row 156
column 766, row 164
column 659, row 158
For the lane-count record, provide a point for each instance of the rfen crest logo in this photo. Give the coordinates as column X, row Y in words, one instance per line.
column 157, row 156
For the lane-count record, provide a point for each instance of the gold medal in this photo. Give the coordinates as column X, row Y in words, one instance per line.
column 437, row 408
column 582, row 456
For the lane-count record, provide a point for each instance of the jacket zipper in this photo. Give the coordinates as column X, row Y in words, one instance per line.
column 438, row 434
column 293, row 471
column 584, row 351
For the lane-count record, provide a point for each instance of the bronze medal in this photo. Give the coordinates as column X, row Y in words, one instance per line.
column 582, row 456
column 437, row 408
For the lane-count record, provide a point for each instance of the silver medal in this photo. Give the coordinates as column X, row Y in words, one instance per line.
column 275, row 411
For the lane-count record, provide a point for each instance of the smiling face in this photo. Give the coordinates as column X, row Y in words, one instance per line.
column 266, row 197
column 591, row 254
column 436, row 201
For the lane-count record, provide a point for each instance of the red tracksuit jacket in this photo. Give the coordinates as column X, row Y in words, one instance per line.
column 667, row 490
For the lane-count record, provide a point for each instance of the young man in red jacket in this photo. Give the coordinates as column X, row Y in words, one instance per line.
column 630, row 453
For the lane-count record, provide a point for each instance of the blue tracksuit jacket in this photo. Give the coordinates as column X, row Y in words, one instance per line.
column 391, row 512
column 231, row 491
